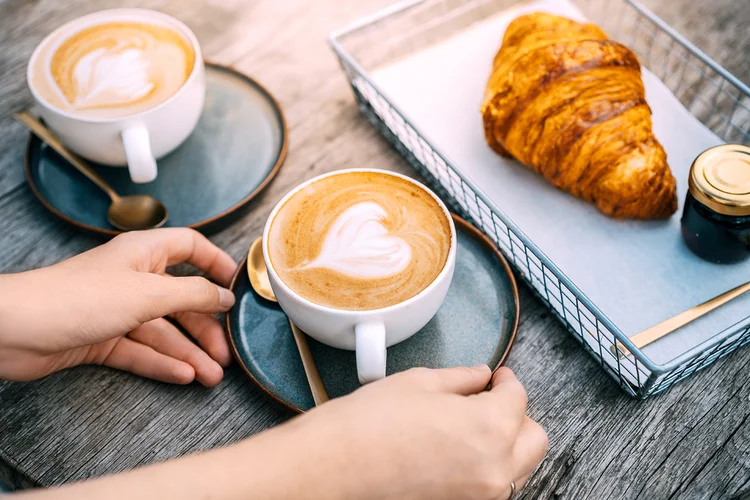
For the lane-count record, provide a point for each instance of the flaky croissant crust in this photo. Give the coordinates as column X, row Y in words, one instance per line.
column 569, row 103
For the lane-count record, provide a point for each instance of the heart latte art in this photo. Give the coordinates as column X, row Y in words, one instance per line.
column 359, row 241
column 113, row 69
column 358, row 245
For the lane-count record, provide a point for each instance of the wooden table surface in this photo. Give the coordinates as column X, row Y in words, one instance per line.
column 692, row 442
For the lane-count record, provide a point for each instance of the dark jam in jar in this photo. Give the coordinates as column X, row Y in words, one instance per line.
column 712, row 236
column 716, row 218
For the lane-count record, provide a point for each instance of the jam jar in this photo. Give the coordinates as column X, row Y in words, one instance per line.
column 716, row 218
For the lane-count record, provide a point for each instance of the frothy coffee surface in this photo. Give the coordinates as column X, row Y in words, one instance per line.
column 113, row 69
column 359, row 241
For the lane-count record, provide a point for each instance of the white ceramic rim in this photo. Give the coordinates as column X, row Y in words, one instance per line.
column 101, row 17
column 383, row 310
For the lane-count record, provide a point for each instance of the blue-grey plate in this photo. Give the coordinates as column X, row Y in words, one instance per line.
column 236, row 149
column 477, row 323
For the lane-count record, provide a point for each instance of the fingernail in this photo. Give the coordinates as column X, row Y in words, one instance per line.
column 482, row 367
column 226, row 298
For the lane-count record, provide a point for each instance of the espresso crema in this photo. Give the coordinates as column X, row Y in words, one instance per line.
column 359, row 241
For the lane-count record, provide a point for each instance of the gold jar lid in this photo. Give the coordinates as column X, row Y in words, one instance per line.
column 720, row 179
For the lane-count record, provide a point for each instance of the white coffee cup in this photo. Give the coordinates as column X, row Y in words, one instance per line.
column 367, row 332
column 136, row 140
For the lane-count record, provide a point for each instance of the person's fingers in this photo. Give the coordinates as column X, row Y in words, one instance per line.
column 187, row 245
column 170, row 246
column 208, row 333
column 507, row 389
column 165, row 338
column 457, row 380
column 131, row 356
column 529, row 448
column 165, row 295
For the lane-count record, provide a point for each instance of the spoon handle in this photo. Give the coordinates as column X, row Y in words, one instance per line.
column 39, row 130
column 666, row 327
column 317, row 388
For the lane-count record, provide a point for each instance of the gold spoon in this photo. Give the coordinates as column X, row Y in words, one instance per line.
column 656, row 332
column 128, row 213
column 258, row 274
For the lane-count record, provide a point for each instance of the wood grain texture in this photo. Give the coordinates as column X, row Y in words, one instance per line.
column 692, row 442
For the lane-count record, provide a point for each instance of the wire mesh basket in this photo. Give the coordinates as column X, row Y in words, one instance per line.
column 712, row 94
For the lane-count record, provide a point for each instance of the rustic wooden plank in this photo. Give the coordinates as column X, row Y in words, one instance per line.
column 110, row 421
column 690, row 442
column 606, row 445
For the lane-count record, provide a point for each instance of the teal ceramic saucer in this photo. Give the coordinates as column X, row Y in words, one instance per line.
column 236, row 149
column 477, row 323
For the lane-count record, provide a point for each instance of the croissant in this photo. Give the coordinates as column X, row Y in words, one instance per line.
column 569, row 103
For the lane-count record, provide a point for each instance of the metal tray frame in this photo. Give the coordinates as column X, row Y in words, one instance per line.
column 715, row 96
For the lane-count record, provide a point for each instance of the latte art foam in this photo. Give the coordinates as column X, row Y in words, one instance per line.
column 359, row 246
column 105, row 78
column 114, row 69
column 359, row 241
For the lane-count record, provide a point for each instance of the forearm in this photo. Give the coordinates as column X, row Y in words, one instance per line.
column 280, row 464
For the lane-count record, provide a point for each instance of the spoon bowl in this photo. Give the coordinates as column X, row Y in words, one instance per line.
column 134, row 212
column 257, row 271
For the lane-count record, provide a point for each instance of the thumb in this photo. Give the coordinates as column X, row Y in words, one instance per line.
column 458, row 380
column 168, row 295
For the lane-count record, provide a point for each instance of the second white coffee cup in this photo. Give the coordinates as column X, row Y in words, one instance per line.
column 136, row 140
column 367, row 332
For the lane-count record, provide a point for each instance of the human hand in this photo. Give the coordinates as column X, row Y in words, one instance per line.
column 422, row 434
column 108, row 306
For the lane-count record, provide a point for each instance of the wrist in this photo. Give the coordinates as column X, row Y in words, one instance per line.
column 27, row 309
column 310, row 457
column 16, row 303
column 22, row 316
column 304, row 459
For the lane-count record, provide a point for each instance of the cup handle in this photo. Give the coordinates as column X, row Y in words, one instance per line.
column 370, row 344
column 141, row 162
